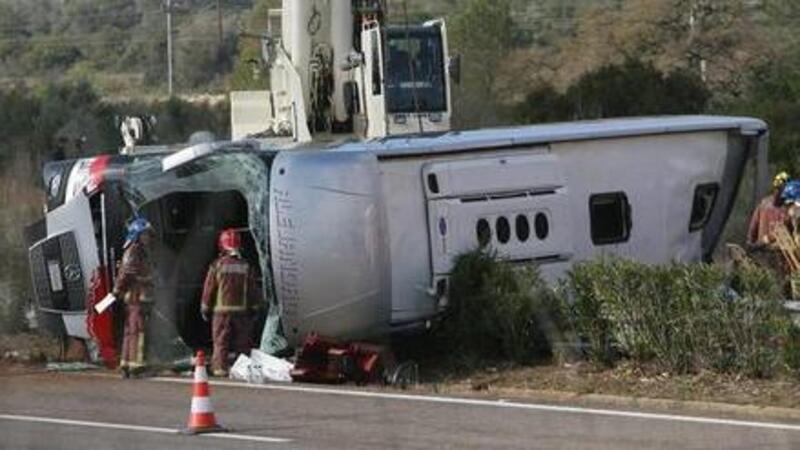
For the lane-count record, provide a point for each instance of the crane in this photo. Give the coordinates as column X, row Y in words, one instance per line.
column 338, row 67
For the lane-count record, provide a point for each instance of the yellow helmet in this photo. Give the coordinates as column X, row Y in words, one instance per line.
column 780, row 179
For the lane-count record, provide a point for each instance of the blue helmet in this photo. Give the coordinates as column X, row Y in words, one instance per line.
column 791, row 191
column 135, row 229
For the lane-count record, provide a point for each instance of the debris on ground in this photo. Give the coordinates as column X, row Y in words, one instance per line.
column 326, row 360
column 404, row 376
column 70, row 366
column 182, row 365
column 260, row 367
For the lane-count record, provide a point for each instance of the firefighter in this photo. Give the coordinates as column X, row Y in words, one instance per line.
column 769, row 213
column 134, row 284
column 230, row 294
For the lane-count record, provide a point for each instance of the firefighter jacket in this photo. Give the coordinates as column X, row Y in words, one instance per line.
column 765, row 218
column 135, row 276
column 230, row 286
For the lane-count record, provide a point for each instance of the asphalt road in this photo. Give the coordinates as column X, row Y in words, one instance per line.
column 80, row 411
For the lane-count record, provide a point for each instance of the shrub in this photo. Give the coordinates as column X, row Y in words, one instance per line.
column 791, row 348
column 582, row 297
column 681, row 317
column 498, row 310
column 759, row 325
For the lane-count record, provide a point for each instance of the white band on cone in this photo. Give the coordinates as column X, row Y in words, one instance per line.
column 201, row 405
column 200, row 374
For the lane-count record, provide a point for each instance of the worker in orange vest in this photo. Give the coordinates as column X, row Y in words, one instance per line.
column 769, row 213
column 231, row 296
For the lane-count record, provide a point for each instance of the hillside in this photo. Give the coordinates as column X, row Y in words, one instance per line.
column 120, row 45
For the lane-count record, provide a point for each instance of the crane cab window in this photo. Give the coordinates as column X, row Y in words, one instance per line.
column 610, row 216
column 415, row 80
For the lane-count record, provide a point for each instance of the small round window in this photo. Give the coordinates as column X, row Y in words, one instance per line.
column 484, row 232
column 541, row 225
column 523, row 228
column 503, row 229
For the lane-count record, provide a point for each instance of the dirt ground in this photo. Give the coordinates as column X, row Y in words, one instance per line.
column 21, row 353
column 626, row 381
column 28, row 348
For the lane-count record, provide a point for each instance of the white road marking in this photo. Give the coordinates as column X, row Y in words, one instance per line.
column 122, row 426
column 500, row 404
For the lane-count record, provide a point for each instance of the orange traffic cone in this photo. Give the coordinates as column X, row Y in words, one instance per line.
column 201, row 416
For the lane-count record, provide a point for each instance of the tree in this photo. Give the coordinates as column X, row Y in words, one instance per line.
column 199, row 58
column 717, row 39
column 248, row 73
column 773, row 94
column 543, row 104
column 633, row 88
column 12, row 32
column 480, row 34
column 17, row 113
column 636, row 89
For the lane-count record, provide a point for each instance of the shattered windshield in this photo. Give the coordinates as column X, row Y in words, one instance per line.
column 415, row 74
column 190, row 204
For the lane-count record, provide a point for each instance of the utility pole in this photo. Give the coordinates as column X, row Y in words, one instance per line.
column 169, row 47
column 692, row 25
column 219, row 22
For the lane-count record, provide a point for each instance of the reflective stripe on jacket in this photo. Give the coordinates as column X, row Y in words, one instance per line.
column 135, row 276
column 230, row 286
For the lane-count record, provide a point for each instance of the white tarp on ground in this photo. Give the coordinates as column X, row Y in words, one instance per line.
column 260, row 367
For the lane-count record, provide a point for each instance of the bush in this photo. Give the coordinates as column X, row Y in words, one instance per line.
column 759, row 325
column 498, row 310
column 681, row 317
column 582, row 295
column 791, row 349
column 20, row 203
column 44, row 55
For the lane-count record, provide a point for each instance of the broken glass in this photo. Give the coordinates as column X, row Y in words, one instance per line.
column 144, row 183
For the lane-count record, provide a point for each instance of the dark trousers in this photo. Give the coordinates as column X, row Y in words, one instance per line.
column 230, row 332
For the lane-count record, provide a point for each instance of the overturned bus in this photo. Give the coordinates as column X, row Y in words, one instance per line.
column 357, row 239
